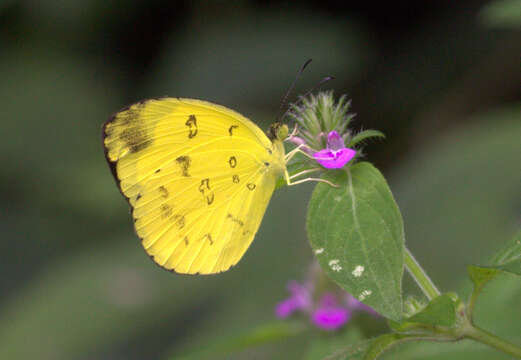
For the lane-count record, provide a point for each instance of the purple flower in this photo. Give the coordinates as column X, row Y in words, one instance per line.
column 329, row 315
column 300, row 299
column 336, row 155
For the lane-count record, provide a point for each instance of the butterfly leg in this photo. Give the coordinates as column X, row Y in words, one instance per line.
column 293, row 152
column 313, row 179
column 291, row 183
column 304, row 172
column 297, row 150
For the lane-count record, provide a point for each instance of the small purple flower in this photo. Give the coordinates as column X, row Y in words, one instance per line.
column 300, row 299
column 331, row 318
column 336, row 155
column 329, row 315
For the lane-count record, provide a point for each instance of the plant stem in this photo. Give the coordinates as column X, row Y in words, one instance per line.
column 482, row 336
column 472, row 300
column 420, row 277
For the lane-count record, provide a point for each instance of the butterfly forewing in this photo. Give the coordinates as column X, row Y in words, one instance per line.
column 198, row 177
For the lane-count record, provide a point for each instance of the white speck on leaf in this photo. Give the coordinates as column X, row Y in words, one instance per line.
column 319, row 251
column 334, row 265
column 358, row 271
column 364, row 294
column 338, row 198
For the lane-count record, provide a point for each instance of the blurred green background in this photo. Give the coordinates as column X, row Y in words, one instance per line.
column 441, row 79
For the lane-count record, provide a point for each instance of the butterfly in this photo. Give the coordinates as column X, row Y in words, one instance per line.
column 198, row 177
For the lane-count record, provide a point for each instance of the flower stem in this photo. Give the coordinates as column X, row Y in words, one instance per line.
column 420, row 277
column 482, row 336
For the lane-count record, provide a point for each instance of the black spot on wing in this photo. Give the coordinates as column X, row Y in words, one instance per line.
column 230, row 130
column 163, row 191
column 105, row 133
column 209, row 237
column 179, row 221
column 232, row 161
column 235, row 219
column 192, row 126
column 184, row 162
column 205, row 185
column 204, row 188
column 166, row 211
column 135, row 135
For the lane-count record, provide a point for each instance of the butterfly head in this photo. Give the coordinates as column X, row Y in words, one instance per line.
column 278, row 131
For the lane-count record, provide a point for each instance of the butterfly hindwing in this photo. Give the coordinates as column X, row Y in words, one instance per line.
column 198, row 177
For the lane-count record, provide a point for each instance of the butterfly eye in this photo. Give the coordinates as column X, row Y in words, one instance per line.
column 278, row 131
column 282, row 132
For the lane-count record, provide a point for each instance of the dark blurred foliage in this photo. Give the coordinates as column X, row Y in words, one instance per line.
column 442, row 85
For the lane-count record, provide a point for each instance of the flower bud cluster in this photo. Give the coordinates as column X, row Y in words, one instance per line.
column 322, row 129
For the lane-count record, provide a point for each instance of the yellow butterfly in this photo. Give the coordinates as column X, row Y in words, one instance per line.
column 198, row 177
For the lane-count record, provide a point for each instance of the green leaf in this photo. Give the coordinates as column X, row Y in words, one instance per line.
column 356, row 232
column 502, row 13
column 364, row 135
column 259, row 335
column 481, row 275
column 508, row 259
column 441, row 311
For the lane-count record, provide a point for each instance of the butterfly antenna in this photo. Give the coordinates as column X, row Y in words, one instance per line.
column 283, row 102
column 319, row 84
